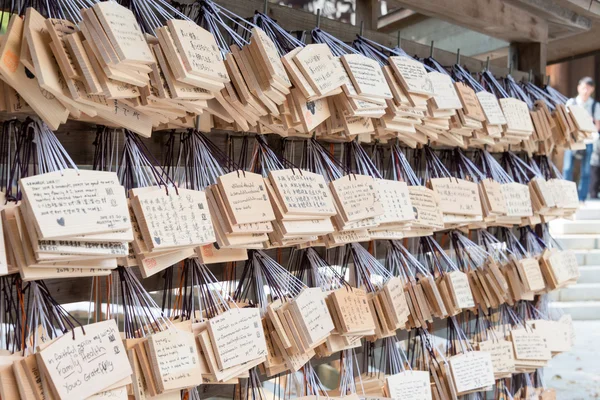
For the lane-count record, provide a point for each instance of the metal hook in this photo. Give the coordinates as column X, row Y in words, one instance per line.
column 530, row 75
column 487, row 63
column 318, row 17
column 458, row 56
column 431, row 50
column 266, row 7
column 399, row 39
column 362, row 27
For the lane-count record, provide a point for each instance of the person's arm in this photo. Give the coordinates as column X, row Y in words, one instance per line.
column 596, row 116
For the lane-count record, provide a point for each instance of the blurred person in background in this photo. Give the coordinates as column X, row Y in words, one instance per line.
column 589, row 158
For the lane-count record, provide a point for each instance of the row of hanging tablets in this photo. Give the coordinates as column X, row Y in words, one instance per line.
column 279, row 320
column 60, row 221
column 494, row 258
column 155, row 67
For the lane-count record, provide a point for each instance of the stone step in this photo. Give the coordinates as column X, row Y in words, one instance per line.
column 589, row 274
column 581, row 256
column 589, row 210
column 579, row 310
column 565, row 227
column 587, row 257
column 586, row 213
column 579, row 292
column 579, row 241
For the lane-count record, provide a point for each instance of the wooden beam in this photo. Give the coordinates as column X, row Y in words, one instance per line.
column 588, row 8
column 495, row 18
column 578, row 46
column 563, row 21
column 556, row 12
column 299, row 20
column 595, row 9
column 398, row 19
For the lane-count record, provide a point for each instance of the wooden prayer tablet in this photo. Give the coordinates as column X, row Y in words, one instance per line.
column 357, row 125
column 444, row 93
column 83, row 64
column 198, row 50
column 395, row 303
column 460, row 289
column 457, row 196
column 25, row 55
column 353, row 312
column 470, row 102
column 531, row 274
column 295, row 74
column 517, row 115
column 28, row 378
column 270, row 57
column 111, row 89
column 501, row 352
column 9, row 387
column 366, row 76
column 356, row 197
column 491, row 108
column 414, row 385
column 245, row 197
column 175, row 89
column 471, row 371
column 492, row 194
column 237, row 337
column 122, row 115
column 4, row 270
column 395, row 200
column 562, row 267
column 52, row 111
column 318, row 66
column 426, row 206
column 432, row 296
column 312, row 316
column 59, row 29
column 171, row 53
column 216, row 374
column 100, row 45
column 564, row 193
column 518, row 199
column 225, row 224
column 311, row 113
column 96, row 360
column 179, row 218
column 302, row 192
column 56, row 202
column 209, row 254
column 582, row 119
column 46, row 67
column 122, row 29
column 412, row 75
column 175, row 360
column 529, row 345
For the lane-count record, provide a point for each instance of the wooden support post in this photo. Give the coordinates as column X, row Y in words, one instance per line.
column 367, row 11
column 529, row 57
column 596, row 74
